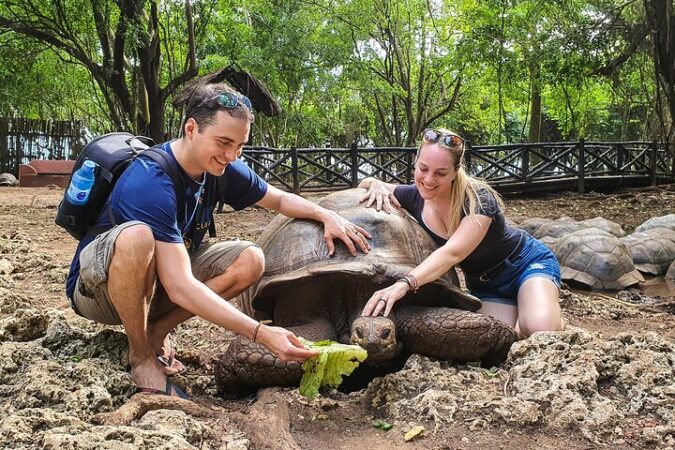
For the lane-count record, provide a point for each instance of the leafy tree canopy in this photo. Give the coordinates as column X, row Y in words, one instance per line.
column 372, row 71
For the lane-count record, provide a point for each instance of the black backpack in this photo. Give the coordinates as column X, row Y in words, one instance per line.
column 112, row 153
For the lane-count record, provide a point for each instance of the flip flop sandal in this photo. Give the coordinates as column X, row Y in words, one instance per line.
column 168, row 361
column 169, row 390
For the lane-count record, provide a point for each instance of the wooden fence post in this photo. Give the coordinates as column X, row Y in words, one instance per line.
column 409, row 167
column 18, row 127
column 652, row 162
column 4, row 149
column 294, row 170
column 525, row 163
column 327, row 160
column 581, row 166
column 619, row 159
column 354, row 156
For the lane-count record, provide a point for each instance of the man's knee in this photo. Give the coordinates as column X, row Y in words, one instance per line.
column 249, row 265
column 135, row 243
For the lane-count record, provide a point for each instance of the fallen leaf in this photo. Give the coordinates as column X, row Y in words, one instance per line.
column 413, row 433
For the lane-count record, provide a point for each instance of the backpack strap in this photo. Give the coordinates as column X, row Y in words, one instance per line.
column 164, row 161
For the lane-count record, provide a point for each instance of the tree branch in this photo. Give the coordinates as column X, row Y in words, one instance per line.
column 191, row 59
column 447, row 108
column 637, row 39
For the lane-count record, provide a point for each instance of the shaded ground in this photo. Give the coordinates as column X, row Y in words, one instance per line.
column 464, row 408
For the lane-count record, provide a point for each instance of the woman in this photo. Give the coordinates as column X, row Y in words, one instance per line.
column 515, row 276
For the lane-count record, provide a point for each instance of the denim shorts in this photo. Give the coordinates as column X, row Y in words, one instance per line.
column 501, row 283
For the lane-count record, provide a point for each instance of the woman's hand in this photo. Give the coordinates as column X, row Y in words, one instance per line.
column 380, row 195
column 383, row 301
column 283, row 343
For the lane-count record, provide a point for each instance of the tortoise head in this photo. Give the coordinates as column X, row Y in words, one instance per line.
column 377, row 335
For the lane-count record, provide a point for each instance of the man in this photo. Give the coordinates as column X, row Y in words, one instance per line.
column 149, row 273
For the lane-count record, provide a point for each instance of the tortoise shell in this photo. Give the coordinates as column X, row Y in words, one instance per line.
column 667, row 221
column 558, row 228
column 597, row 259
column 7, row 179
column 670, row 274
column 652, row 250
column 605, row 225
column 297, row 259
column 530, row 226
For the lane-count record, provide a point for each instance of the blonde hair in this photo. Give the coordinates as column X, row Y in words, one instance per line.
column 463, row 186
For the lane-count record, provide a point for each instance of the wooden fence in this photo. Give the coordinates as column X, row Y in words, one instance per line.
column 23, row 140
column 572, row 165
column 509, row 168
column 544, row 166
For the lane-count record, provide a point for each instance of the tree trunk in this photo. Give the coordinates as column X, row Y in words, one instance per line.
column 535, row 102
column 661, row 21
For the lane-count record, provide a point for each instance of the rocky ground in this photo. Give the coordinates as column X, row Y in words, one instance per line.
column 605, row 382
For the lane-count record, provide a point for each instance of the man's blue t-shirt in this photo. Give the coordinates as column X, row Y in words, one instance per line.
column 145, row 192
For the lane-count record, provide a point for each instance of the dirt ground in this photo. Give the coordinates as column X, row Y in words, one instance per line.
column 338, row 420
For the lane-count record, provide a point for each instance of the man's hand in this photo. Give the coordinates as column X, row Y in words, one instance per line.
column 379, row 194
column 283, row 343
column 336, row 226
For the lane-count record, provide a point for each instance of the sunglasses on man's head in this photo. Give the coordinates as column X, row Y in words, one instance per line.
column 231, row 100
column 445, row 139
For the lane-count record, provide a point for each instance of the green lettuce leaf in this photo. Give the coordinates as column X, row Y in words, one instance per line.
column 334, row 361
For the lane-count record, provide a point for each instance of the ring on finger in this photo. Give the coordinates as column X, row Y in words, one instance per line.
column 382, row 300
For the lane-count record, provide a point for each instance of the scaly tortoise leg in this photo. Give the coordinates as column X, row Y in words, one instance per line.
column 448, row 333
column 247, row 366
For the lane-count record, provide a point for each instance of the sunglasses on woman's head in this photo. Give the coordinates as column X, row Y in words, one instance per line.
column 449, row 140
column 231, row 100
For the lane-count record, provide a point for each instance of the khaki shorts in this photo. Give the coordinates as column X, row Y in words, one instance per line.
column 91, row 298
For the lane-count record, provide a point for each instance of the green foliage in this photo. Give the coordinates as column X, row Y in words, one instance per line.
column 40, row 84
column 372, row 71
column 382, row 425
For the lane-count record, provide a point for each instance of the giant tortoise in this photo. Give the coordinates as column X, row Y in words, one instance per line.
column 667, row 221
column 670, row 273
column 652, row 250
column 596, row 258
column 558, row 228
column 605, row 225
column 7, row 179
column 531, row 225
column 320, row 297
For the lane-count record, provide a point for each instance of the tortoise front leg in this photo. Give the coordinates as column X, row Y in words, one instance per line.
column 448, row 333
column 247, row 366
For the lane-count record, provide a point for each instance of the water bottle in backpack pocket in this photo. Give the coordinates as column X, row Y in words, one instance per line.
column 80, row 204
column 81, row 183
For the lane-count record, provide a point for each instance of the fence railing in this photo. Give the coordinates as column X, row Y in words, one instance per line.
column 514, row 167
column 509, row 168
